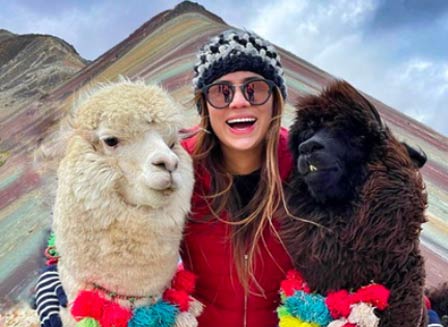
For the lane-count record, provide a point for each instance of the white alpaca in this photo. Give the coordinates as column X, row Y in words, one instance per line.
column 124, row 189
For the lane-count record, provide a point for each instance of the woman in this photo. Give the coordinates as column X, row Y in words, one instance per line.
column 240, row 158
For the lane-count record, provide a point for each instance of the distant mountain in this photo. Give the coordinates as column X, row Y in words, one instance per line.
column 4, row 34
column 31, row 65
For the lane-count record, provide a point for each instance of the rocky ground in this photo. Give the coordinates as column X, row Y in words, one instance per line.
column 19, row 316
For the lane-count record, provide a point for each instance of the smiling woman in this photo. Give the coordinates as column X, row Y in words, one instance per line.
column 240, row 158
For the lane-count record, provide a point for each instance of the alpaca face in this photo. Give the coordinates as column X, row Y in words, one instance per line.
column 333, row 162
column 151, row 164
column 326, row 161
column 332, row 140
column 132, row 128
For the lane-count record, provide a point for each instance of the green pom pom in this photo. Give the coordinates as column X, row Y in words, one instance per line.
column 51, row 239
column 282, row 311
column 88, row 322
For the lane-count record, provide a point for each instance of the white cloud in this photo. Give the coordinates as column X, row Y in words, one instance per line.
column 332, row 35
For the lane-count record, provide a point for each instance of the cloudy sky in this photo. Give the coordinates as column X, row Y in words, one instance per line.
column 394, row 50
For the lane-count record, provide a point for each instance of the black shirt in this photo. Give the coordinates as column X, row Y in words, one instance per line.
column 245, row 186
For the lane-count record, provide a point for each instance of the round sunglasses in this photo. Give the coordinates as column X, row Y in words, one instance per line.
column 255, row 91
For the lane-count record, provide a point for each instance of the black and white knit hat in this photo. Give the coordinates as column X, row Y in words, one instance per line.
column 235, row 50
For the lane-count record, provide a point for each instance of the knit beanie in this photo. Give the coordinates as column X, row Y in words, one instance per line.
column 235, row 50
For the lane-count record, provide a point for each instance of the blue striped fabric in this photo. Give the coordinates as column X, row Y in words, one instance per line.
column 49, row 297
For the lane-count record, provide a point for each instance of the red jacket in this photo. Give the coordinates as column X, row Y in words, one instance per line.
column 207, row 252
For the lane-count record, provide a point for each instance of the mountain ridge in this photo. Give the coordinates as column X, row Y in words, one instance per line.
column 31, row 65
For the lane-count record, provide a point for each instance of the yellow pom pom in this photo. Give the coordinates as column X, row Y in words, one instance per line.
column 309, row 324
column 290, row 321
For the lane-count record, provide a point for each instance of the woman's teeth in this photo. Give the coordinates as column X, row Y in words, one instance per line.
column 241, row 122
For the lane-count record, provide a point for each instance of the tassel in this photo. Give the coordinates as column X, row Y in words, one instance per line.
column 282, row 312
column 115, row 315
column 340, row 323
column 177, row 297
column 338, row 304
column 374, row 294
column 160, row 314
column 88, row 304
column 308, row 307
column 186, row 319
column 290, row 321
column 184, row 281
column 88, row 322
column 363, row 315
column 196, row 307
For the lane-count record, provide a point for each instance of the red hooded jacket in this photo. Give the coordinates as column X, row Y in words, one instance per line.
column 207, row 252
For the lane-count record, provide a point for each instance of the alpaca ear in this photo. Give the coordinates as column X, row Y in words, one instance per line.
column 341, row 89
column 418, row 157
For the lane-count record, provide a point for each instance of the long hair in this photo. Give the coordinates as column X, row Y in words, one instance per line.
column 268, row 200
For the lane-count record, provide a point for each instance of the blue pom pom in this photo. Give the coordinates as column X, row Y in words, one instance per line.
column 308, row 307
column 160, row 314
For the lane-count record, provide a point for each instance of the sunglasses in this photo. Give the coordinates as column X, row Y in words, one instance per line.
column 255, row 91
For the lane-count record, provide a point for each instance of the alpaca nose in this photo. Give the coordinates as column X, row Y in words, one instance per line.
column 311, row 145
column 167, row 162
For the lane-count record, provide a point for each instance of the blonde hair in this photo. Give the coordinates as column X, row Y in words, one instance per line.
column 266, row 202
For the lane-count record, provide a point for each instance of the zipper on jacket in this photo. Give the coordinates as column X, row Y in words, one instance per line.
column 246, row 291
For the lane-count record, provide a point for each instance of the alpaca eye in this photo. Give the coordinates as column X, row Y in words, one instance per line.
column 111, row 141
column 172, row 145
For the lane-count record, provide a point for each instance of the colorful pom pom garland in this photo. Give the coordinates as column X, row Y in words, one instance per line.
column 50, row 252
column 301, row 308
column 91, row 308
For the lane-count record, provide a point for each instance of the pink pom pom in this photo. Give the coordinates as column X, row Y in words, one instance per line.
column 338, row 304
column 115, row 315
column 350, row 325
column 177, row 297
column 88, row 304
column 184, row 280
column 295, row 275
column 293, row 282
column 288, row 287
column 375, row 294
column 427, row 302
